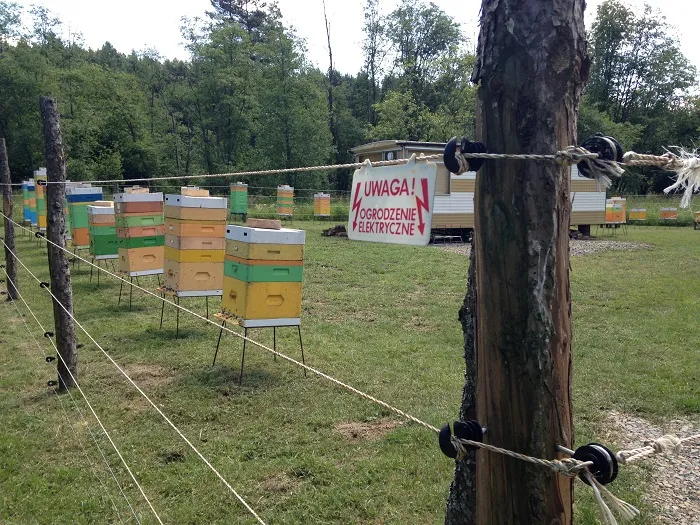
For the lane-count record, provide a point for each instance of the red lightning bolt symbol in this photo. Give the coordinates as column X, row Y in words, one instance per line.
column 422, row 204
column 356, row 205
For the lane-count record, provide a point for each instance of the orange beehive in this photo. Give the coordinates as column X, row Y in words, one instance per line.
column 668, row 214
column 140, row 231
column 195, row 225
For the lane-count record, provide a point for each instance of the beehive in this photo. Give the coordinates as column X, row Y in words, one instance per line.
column 615, row 211
column 285, row 201
column 638, row 214
column 140, row 233
column 40, row 186
column 102, row 230
column 322, row 205
column 194, row 250
column 79, row 197
column 238, row 203
column 28, row 201
column 668, row 214
column 263, row 274
column 31, row 198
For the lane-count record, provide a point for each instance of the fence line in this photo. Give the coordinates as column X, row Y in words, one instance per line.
column 138, row 388
column 87, row 402
column 82, row 416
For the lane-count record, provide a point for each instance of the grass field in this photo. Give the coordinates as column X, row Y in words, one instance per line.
column 380, row 317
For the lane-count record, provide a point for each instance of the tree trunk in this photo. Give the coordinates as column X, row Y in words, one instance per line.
column 56, row 233
column 461, row 504
column 7, row 209
column 531, row 68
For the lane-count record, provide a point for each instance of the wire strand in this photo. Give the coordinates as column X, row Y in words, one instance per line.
column 73, row 378
column 138, row 388
column 65, row 411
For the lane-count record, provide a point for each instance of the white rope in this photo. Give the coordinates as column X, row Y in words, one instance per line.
column 65, row 412
column 145, row 396
column 668, row 444
column 104, row 430
column 687, row 177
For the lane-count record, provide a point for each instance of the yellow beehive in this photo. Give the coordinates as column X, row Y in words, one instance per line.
column 638, row 214
column 322, row 205
column 263, row 275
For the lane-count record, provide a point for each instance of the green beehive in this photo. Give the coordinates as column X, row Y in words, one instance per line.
column 238, row 204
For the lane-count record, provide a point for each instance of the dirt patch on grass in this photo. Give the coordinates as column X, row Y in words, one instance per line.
column 366, row 431
column 149, row 376
column 280, row 483
column 674, row 488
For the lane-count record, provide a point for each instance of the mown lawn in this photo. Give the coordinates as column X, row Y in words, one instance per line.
column 380, row 317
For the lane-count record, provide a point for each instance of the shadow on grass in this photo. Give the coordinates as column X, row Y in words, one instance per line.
column 223, row 378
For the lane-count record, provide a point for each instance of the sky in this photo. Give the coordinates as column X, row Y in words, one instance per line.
column 141, row 24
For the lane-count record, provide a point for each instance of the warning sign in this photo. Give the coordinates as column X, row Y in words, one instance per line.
column 393, row 204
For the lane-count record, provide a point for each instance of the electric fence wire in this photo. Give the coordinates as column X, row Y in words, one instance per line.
column 78, row 410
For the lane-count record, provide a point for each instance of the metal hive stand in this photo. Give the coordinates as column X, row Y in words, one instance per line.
column 246, row 324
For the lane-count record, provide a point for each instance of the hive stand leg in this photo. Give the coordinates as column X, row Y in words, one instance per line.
column 131, row 289
column 92, row 268
column 162, row 309
column 302, row 349
column 121, row 286
column 274, row 342
column 98, row 272
column 240, row 377
column 218, row 342
column 158, row 276
column 206, row 300
column 177, row 317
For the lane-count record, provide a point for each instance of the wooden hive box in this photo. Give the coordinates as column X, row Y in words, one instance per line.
column 194, row 255
column 140, row 233
column 322, row 205
column 285, row 201
column 238, row 203
column 263, row 274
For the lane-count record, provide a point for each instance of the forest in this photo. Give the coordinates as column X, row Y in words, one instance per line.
column 249, row 99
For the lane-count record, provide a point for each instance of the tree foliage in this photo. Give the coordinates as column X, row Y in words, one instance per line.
column 248, row 98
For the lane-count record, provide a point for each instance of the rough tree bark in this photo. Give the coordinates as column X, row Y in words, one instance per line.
column 531, row 67
column 461, row 504
column 7, row 209
column 59, row 269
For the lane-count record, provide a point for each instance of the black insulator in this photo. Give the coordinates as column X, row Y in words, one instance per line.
column 470, row 430
column 468, row 146
column 41, row 182
column 606, row 147
column 78, row 346
column 50, row 358
column 448, row 156
column 52, row 383
column 44, row 284
column 48, row 334
column 39, row 234
column 604, row 468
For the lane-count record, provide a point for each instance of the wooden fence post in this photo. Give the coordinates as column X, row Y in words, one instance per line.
column 7, row 209
column 531, row 68
column 56, row 233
